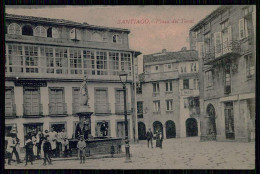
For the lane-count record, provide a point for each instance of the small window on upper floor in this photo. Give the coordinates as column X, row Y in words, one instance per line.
column 116, row 39
column 248, row 10
column 167, row 67
column 224, row 25
column 14, row 29
column 27, row 30
column 250, row 65
column 75, row 34
column 52, row 32
column 155, row 69
column 96, row 37
column 193, row 67
column 40, row 31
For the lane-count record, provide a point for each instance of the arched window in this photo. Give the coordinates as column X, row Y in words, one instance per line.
column 52, row 32
column 27, row 30
column 14, row 29
column 96, row 37
column 116, row 39
column 40, row 31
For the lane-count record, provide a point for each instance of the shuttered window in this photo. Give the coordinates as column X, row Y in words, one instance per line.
column 32, row 101
column 9, row 102
column 56, row 97
column 75, row 100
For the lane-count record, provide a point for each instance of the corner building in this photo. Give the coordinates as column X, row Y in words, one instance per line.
column 46, row 60
column 225, row 41
column 168, row 94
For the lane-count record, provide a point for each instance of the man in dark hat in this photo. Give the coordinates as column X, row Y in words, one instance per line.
column 46, row 150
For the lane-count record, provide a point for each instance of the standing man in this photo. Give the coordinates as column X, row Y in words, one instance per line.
column 16, row 145
column 81, row 149
column 46, row 150
column 9, row 148
column 61, row 137
column 149, row 136
column 53, row 141
column 39, row 138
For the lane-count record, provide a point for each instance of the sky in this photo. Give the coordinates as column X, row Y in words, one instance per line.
column 153, row 28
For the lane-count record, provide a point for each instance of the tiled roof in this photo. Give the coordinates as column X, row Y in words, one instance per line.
column 60, row 22
column 180, row 56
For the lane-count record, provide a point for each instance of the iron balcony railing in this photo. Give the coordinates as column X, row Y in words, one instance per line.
column 119, row 108
column 220, row 50
column 33, row 109
column 10, row 110
column 102, row 108
column 58, row 108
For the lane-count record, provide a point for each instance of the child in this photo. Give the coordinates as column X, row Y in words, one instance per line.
column 46, row 150
column 81, row 149
column 65, row 147
column 28, row 150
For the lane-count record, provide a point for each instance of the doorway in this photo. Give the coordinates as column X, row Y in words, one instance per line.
column 191, row 127
column 141, row 131
column 157, row 126
column 120, row 131
column 170, row 129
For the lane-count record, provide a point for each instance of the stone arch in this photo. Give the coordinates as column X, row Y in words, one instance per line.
column 27, row 30
column 157, row 125
column 141, row 131
column 14, row 28
column 191, row 127
column 170, row 129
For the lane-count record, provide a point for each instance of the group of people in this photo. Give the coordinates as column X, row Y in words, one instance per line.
column 158, row 136
column 38, row 145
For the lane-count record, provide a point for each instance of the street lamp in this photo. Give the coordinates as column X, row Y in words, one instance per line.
column 123, row 79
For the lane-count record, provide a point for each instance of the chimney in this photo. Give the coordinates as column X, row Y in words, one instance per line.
column 184, row 49
column 164, row 50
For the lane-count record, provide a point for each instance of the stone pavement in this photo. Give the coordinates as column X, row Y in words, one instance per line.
column 181, row 153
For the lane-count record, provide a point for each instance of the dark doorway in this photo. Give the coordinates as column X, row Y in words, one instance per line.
column 191, row 127
column 27, row 30
column 141, row 131
column 157, row 126
column 57, row 127
column 32, row 129
column 170, row 129
column 229, row 121
column 212, row 130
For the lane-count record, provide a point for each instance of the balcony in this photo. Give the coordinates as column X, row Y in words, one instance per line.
column 226, row 49
column 119, row 108
column 58, row 109
column 102, row 108
column 189, row 92
column 32, row 110
column 10, row 110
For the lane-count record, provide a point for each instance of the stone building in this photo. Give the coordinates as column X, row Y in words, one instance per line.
column 225, row 41
column 46, row 60
column 168, row 94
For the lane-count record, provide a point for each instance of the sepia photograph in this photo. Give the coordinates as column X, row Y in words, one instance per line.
column 130, row 87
